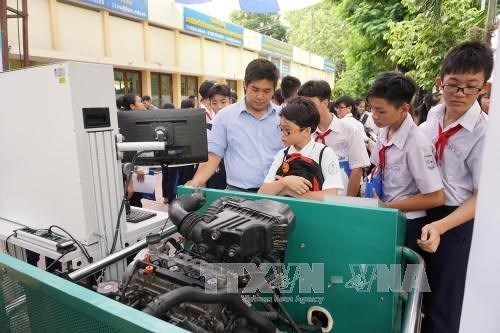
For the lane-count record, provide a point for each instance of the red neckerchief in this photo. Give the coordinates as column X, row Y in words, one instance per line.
column 442, row 140
column 209, row 116
column 381, row 157
column 320, row 137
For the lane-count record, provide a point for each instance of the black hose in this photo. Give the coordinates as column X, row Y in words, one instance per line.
column 181, row 214
column 181, row 207
column 191, row 294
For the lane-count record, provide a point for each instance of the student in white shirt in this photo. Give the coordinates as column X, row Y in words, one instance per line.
column 345, row 111
column 345, row 140
column 318, row 171
column 457, row 128
column 205, row 101
column 403, row 156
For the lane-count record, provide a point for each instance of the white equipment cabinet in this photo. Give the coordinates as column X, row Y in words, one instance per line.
column 58, row 158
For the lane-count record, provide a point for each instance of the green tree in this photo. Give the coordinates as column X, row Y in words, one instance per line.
column 365, row 51
column 419, row 44
column 319, row 29
column 266, row 24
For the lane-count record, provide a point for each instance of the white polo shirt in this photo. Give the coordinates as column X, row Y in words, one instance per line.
column 461, row 162
column 410, row 166
column 349, row 118
column 329, row 164
column 349, row 146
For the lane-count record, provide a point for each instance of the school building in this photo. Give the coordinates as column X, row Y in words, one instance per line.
column 156, row 47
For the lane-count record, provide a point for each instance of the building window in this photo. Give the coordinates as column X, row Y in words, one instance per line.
column 127, row 81
column 189, row 86
column 232, row 85
column 161, row 89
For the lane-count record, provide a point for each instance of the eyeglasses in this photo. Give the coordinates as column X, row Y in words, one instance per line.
column 342, row 107
column 288, row 132
column 453, row 89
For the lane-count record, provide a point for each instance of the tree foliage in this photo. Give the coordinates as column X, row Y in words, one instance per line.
column 319, row 29
column 266, row 24
column 367, row 37
column 418, row 45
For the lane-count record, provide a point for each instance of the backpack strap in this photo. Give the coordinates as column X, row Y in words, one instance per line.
column 285, row 153
column 321, row 155
column 364, row 119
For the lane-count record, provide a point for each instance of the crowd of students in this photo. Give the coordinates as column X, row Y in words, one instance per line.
column 427, row 165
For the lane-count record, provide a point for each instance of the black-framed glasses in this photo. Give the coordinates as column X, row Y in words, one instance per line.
column 453, row 89
column 287, row 131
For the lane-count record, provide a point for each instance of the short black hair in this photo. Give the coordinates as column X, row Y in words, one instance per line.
column 278, row 96
column 261, row 69
column 127, row 100
column 289, row 86
column 187, row 103
column 168, row 105
column 302, row 112
column 204, row 88
column 146, row 98
column 358, row 101
column 395, row 87
column 468, row 57
column 233, row 96
column 219, row 89
column 348, row 101
column 316, row 88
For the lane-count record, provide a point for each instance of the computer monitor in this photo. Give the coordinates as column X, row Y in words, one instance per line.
column 183, row 130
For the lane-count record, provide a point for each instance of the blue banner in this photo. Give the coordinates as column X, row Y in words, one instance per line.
column 212, row 28
column 276, row 48
column 329, row 65
column 135, row 8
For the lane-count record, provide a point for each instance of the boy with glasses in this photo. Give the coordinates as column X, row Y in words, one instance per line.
column 305, row 169
column 345, row 139
column 457, row 129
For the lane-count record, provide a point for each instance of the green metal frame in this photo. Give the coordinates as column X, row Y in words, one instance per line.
column 79, row 305
column 341, row 237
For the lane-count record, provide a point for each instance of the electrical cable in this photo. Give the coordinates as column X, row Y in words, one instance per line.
column 124, row 200
column 287, row 315
column 7, row 242
column 82, row 248
column 55, row 261
column 164, row 225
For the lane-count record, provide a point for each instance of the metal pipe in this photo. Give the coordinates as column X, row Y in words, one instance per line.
column 5, row 39
column 411, row 316
column 26, row 53
column 140, row 146
column 112, row 258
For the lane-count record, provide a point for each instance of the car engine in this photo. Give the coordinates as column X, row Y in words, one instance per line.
column 205, row 282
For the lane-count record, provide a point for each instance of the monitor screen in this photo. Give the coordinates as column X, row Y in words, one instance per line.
column 183, row 130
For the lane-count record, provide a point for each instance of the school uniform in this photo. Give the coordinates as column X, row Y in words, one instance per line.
column 349, row 118
column 408, row 167
column 328, row 162
column 459, row 152
column 348, row 144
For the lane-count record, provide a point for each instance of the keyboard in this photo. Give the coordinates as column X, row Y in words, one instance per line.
column 137, row 215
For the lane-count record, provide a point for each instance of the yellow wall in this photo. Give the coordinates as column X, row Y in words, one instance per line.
column 64, row 31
